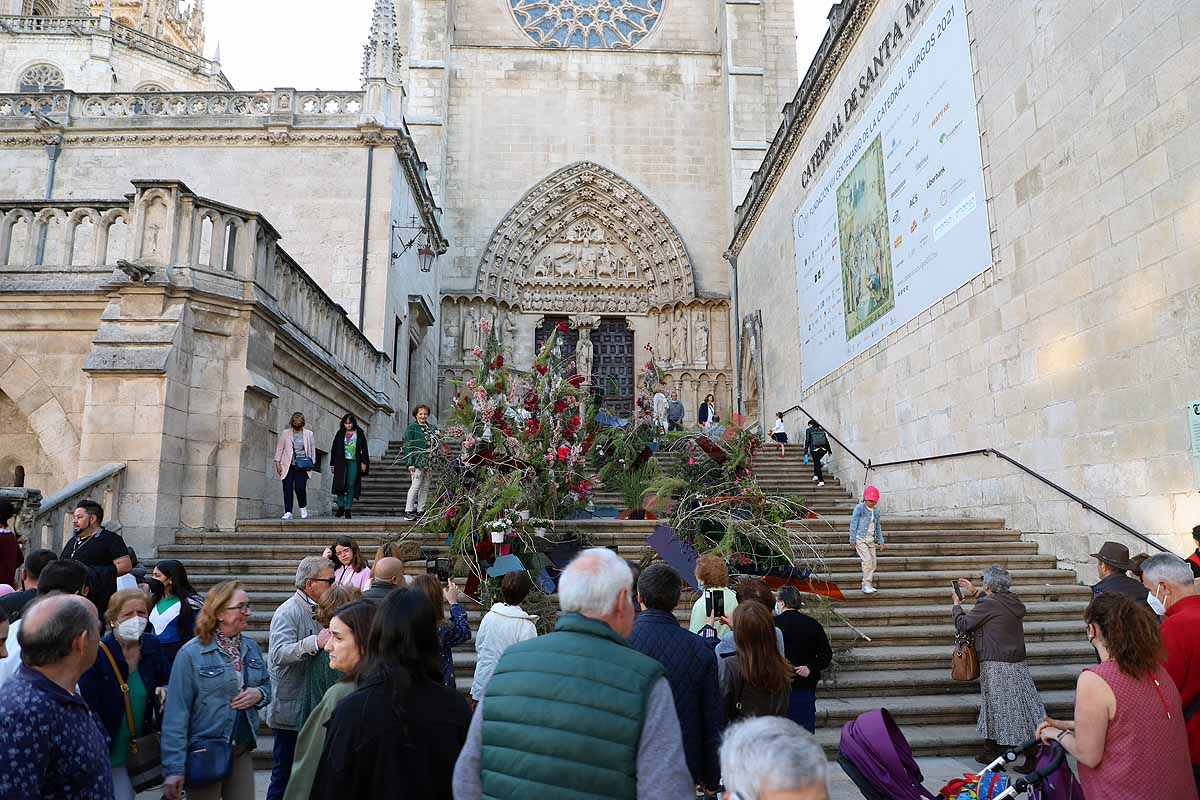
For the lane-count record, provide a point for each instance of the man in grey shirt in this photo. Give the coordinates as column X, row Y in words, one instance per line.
column 597, row 605
column 675, row 412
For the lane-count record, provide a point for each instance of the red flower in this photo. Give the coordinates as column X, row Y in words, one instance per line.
column 576, row 380
column 532, row 426
column 498, row 362
column 559, row 405
column 562, row 327
column 541, row 368
column 649, row 366
column 564, row 452
column 574, row 421
column 451, row 511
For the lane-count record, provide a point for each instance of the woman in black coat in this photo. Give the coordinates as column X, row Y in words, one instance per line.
column 399, row 734
column 349, row 459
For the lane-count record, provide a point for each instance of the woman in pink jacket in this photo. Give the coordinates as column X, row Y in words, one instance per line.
column 295, row 455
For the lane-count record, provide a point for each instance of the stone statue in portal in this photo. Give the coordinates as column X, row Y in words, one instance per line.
column 700, row 340
column 583, row 354
column 679, row 339
column 470, row 331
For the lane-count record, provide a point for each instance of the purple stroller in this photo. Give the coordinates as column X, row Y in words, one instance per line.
column 875, row 755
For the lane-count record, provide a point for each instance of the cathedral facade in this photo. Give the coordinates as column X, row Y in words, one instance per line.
column 589, row 156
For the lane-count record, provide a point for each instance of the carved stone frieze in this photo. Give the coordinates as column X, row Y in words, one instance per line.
column 585, row 240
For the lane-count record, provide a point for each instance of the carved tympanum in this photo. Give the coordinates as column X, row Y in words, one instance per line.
column 584, row 239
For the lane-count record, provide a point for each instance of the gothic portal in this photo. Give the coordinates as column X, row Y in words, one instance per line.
column 589, row 155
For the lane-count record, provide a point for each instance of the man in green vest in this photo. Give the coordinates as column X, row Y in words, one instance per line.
column 578, row 713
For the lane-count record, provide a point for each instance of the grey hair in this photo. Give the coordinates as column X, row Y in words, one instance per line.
column 1167, row 568
column 764, row 754
column 997, row 578
column 51, row 625
column 309, row 568
column 592, row 581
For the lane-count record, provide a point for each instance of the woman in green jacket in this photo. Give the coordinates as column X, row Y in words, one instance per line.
column 347, row 648
column 349, row 459
column 417, row 441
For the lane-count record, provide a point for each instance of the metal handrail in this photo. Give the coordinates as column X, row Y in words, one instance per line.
column 990, row 451
column 828, row 432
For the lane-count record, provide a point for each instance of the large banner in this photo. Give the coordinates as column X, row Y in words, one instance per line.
column 899, row 219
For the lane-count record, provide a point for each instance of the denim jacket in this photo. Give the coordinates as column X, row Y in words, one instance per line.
column 860, row 521
column 202, row 685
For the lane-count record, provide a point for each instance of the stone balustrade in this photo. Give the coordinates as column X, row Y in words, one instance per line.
column 45, row 522
column 164, row 233
column 67, row 107
column 130, row 37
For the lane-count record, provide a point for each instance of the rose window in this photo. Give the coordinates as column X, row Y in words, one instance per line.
column 587, row 24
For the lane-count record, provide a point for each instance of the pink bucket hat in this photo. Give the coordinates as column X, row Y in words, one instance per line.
column 871, row 493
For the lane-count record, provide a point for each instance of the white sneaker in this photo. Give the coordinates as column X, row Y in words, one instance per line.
column 304, row 513
column 814, row 477
column 286, row 515
column 869, row 590
column 820, row 483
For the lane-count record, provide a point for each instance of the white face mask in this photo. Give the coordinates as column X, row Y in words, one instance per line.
column 1156, row 604
column 131, row 629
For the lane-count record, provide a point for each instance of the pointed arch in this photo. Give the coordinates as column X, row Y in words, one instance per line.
column 584, row 238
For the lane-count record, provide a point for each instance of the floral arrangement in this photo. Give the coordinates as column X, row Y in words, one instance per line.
column 521, row 463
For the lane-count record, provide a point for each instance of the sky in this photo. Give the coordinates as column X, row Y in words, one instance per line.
column 298, row 43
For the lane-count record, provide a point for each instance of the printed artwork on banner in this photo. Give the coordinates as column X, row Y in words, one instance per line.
column 867, row 290
column 897, row 219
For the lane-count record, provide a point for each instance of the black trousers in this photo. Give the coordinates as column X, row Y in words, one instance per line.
column 816, row 454
column 295, row 479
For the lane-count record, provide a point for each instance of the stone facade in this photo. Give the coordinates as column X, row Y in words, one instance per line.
column 656, row 127
column 1075, row 352
column 127, row 344
column 101, row 54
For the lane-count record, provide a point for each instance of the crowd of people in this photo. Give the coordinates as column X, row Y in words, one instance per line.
column 619, row 699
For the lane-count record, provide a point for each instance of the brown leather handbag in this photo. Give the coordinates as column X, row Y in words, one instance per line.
column 964, row 664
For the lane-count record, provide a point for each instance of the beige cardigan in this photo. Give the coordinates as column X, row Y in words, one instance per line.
column 283, row 450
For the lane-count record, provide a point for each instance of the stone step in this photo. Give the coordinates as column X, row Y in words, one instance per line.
column 891, row 570
column 927, row 710
column 850, row 582
column 882, row 684
column 938, row 656
column 882, row 637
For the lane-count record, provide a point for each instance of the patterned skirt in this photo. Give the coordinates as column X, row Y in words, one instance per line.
column 1010, row 709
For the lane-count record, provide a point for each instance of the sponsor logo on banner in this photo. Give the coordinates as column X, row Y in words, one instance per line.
column 913, row 228
column 945, row 198
column 945, row 137
column 938, row 116
column 936, row 176
column 899, row 188
column 921, row 164
column 896, row 217
column 956, row 215
column 898, row 242
column 912, row 201
column 925, row 215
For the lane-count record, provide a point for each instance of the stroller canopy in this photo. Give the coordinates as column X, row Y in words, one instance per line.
column 878, row 751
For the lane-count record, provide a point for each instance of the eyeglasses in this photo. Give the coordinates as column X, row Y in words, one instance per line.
column 324, row 580
column 241, row 608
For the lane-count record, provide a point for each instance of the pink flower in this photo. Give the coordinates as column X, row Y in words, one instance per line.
column 691, row 462
column 485, row 324
column 477, row 352
column 469, row 441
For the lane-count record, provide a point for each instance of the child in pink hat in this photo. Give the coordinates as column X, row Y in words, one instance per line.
column 866, row 534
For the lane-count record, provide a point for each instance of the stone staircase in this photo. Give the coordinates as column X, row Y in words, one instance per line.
column 904, row 666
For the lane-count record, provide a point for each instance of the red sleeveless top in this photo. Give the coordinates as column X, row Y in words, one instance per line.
column 1145, row 752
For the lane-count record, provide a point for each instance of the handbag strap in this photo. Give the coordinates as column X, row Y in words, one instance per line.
column 124, row 694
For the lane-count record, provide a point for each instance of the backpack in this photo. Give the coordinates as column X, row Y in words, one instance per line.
column 819, row 440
